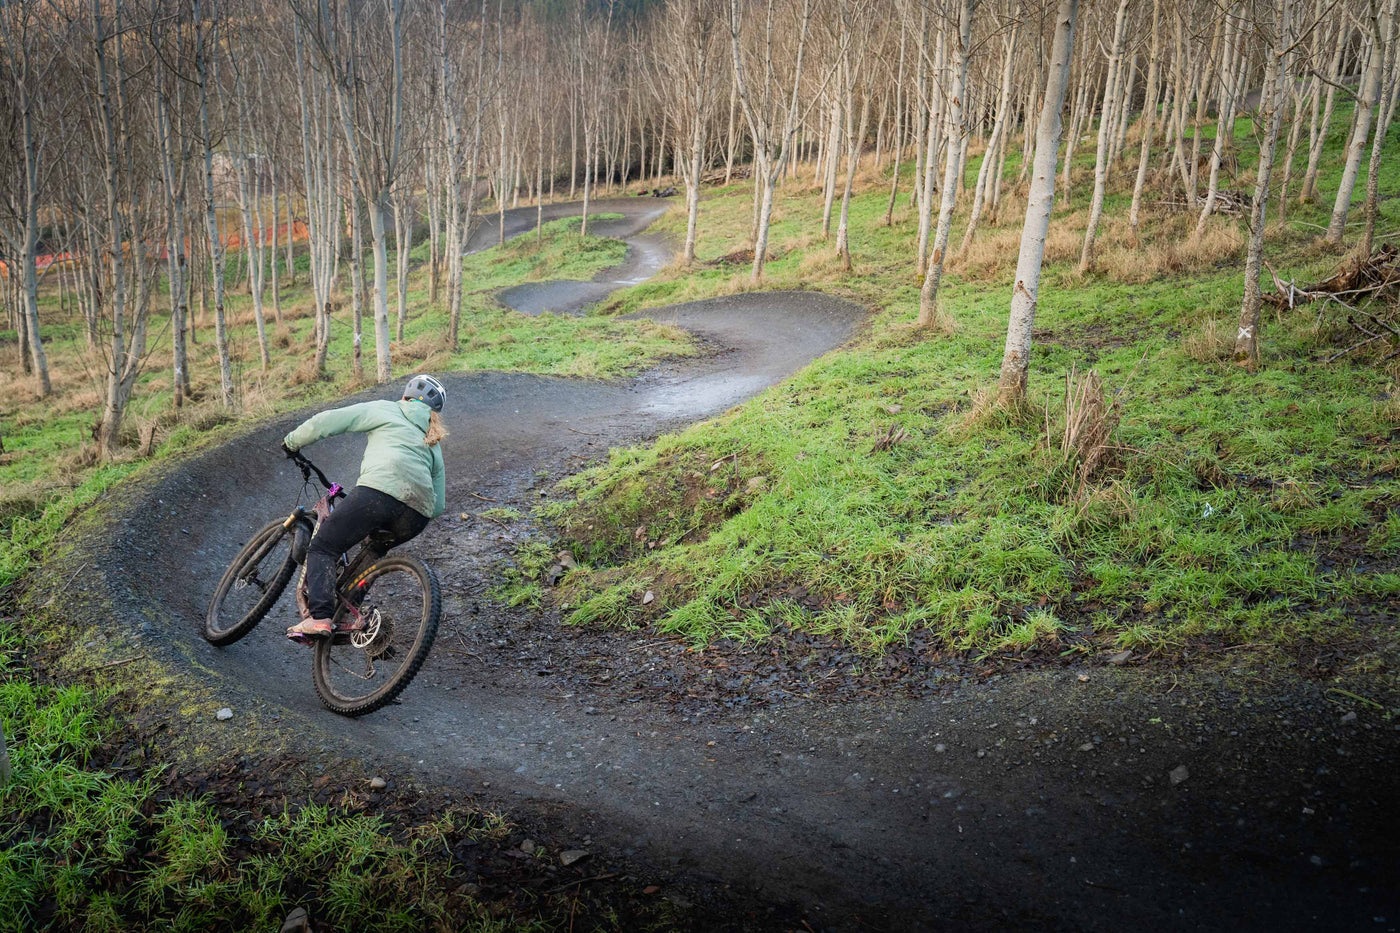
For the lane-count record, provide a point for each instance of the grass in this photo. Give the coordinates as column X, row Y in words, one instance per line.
column 1243, row 508
column 84, row 845
column 48, row 467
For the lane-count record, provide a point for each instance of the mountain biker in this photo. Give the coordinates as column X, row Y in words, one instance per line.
column 401, row 486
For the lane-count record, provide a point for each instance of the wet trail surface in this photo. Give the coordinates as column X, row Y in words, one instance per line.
column 1038, row 799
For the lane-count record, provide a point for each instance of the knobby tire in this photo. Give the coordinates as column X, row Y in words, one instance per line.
column 262, row 543
column 423, row 643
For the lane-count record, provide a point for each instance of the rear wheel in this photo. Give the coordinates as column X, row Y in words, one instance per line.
column 252, row 585
column 357, row 672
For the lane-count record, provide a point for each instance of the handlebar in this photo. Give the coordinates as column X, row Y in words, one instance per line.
column 307, row 468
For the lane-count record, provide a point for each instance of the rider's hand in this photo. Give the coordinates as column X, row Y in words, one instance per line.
column 288, row 451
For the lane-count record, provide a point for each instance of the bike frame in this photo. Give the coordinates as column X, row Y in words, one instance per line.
column 349, row 579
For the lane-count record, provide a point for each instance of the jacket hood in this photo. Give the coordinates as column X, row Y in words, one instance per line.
column 417, row 412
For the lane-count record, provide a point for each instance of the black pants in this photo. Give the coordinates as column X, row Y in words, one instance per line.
column 362, row 512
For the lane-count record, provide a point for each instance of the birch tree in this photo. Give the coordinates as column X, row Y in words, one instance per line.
column 770, row 95
column 1274, row 97
column 1102, row 157
column 1378, row 29
column 26, row 66
column 691, row 30
column 929, row 315
column 1015, row 361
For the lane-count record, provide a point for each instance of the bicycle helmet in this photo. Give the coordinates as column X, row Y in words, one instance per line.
column 426, row 389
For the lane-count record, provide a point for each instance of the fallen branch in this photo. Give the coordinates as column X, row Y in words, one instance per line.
column 103, row 667
column 569, row 884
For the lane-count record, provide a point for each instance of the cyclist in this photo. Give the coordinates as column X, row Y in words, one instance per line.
column 401, row 486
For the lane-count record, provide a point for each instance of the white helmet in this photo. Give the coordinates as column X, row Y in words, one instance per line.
column 426, row 389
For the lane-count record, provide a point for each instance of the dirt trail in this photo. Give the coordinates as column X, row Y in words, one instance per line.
column 1038, row 800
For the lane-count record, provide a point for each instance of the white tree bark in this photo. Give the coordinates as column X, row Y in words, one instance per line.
column 929, row 314
column 1105, row 141
column 1275, row 91
column 1015, row 361
column 1379, row 27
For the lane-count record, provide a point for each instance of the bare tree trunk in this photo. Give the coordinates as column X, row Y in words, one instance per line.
column 1365, row 107
column 403, row 246
column 1015, row 362
column 1385, row 110
column 357, row 282
column 273, row 254
column 995, row 143
column 929, row 312
column 853, row 149
column 21, row 67
column 1233, row 78
column 1148, row 122
column 1276, row 88
column 935, row 115
column 898, row 126
column 1102, row 157
column 216, row 248
column 829, row 163
column 1318, row 133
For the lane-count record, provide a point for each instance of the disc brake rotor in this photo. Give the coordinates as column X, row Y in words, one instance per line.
column 377, row 635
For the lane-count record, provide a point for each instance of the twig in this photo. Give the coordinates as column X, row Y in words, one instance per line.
column 103, row 667
column 1356, row 346
column 65, row 586
column 720, row 462
column 482, row 498
column 570, row 884
column 588, row 433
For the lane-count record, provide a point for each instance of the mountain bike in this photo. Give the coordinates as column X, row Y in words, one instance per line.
column 387, row 606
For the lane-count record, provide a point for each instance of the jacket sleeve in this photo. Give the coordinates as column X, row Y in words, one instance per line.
column 350, row 419
column 439, row 483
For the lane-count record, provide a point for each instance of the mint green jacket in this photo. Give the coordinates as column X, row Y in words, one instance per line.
column 396, row 460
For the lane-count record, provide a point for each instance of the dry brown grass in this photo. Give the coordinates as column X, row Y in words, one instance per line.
column 989, row 256
column 1389, row 409
column 1174, row 249
column 1210, row 343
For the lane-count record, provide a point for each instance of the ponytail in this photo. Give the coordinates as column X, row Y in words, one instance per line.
column 436, row 430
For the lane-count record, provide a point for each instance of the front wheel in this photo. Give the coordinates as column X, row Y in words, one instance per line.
column 252, row 584
column 399, row 606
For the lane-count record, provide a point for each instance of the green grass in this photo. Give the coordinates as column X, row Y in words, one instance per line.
column 83, row 847
column 46, row 471
column 1234, row 514
column 86, row 846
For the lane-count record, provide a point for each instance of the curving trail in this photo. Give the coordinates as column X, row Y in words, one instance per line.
column 977, row 809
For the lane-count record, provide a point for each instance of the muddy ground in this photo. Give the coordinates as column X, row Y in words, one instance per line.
column 764, row 789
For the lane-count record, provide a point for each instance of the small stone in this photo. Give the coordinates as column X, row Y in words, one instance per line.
column 224, row 714
column 981, row 753
column 756, row 482
column 566, row 558
column 1316, row 860
column 570, row 856
column 528, row 847
column 1120, row 658
column 1087, row 747
column 378, row 783
column 651, row 889
column 1083, row 678
column 1350, row 717
column 894, row 409
column 940, row 748
column 1178, row 774
column 297, row 921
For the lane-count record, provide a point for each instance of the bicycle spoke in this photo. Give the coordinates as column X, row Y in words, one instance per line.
column 382, row 641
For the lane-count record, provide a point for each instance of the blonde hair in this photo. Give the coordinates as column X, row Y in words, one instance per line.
column 436, row 430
